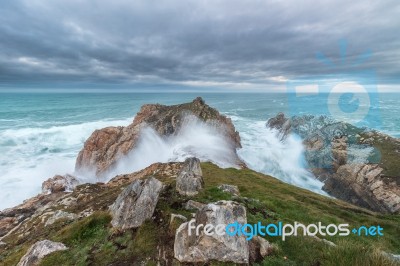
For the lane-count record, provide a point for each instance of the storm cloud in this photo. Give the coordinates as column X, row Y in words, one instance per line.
column 193, row 44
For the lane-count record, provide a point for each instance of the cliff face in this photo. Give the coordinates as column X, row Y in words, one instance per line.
column 105, row 146
column 355, row 164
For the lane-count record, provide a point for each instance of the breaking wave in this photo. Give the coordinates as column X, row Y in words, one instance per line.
column 194, row 139
column 28, row 156
column 264, row 152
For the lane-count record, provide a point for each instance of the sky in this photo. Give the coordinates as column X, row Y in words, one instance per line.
column 195, row 45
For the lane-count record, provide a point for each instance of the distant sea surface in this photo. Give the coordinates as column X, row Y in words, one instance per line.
column 41, row 134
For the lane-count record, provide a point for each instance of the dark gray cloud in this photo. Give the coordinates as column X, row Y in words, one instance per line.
column 229, row 44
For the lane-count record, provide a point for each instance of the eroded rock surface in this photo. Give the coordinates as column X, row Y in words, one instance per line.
column 190, row 179
column 38, row 251
column 105, row 146
column 203, row 248
column 136, row 203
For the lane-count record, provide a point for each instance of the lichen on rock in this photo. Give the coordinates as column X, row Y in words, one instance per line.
column 136, row 203
column 203, row 248
column 38, row 251
column 190, row 179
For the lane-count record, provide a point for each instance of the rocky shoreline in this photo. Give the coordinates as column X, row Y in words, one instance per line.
column 355, row 164
column 141, row 218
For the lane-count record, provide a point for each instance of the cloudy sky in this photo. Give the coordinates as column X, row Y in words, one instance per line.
column 194, row 44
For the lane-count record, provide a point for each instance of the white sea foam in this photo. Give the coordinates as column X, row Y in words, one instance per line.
column 31, row 155
column 263, row 151
column 28, row 156
column 195, row 138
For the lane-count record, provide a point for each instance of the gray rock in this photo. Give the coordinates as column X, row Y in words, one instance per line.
column 58, row 215
column 193, row 205
column 203, row 248
column 136, row 203
column 38, row 251
column 393, row 257
column 60, row 183
column 190, row 179
column 177, row 216
column 231, row 189
column 327, row 242
column 265, row 247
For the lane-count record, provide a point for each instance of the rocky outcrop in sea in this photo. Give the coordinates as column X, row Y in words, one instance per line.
column 104, row 147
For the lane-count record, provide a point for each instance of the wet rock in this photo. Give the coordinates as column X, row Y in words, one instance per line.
column 60, row 183
column 136, row 203
column 105, row 146
column 190, row 179
column 231, row 189
column 38, row 251
column 281, row 123
column 203, row 248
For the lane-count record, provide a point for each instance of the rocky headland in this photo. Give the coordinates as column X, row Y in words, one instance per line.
column 104, row 147
column 141, row 218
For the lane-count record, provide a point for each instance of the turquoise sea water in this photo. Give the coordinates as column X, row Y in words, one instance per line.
column 41, row 134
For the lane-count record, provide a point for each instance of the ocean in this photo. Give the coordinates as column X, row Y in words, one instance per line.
column 42, row 133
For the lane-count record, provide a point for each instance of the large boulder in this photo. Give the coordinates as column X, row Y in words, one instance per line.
column 136, row 203
column 105, row 146
column 203, row 248
column 60, row 183
column 357, row 165
column 38, row 251
column 190, row 179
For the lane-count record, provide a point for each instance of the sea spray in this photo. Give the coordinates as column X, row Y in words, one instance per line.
column 264, row 151
column 29, row 156
column 194, row 139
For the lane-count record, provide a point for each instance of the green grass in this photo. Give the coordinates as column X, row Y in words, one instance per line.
column 277, row 201
column 387, row 155
column 92, row 240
